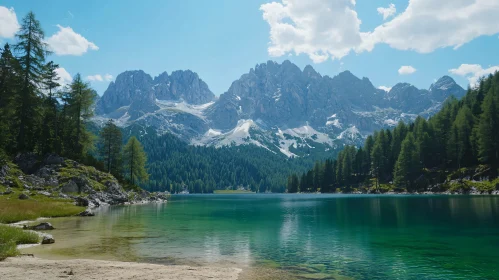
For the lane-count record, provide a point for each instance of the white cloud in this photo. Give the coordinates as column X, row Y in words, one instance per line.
column 387, row 89
column 427, row 25
column 325, row 29
column 473, row 72
column 68, row 42
column 100, row 78
column 64, row 77
column 322, row 29
column 8, row 22
column 387, row 12
column 95, row 78
column 407, row 70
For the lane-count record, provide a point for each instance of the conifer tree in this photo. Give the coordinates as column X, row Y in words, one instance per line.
column 49, row 132
column 111, row 146
column 32, row 50
column 9, row 84
column 135, row 160
column 488, row 128
column 80, row 101
column 407, row 167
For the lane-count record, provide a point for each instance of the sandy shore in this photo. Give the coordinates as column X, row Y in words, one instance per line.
column 28, row 268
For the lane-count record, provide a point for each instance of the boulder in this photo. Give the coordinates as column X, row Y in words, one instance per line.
column 42, row 226
column 48, row 239
column 27, row 162
column 87, row 213
column 7, row 191
column 81, row 201
column 23, row 196
column 70, row 187
column 53, row 159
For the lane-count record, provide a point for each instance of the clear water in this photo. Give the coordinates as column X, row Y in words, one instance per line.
column 308, row 236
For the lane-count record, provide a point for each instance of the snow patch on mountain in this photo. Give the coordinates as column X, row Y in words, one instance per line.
column 351, row 133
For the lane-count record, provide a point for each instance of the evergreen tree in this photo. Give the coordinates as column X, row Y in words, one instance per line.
column 32, row 49
column 80, row 101
column 293, row 184
column 111, row 145
column 488, row 128
column 459, row 145
column 407, row 167
column 135, row 160
column 49, row 131
column 9, row 84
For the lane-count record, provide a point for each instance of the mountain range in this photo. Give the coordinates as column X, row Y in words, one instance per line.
column 279, row 107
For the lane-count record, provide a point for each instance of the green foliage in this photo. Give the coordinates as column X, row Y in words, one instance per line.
column 446, row 147
column 10, row 237
column 135, row 160
column 407, row 167
column 111, row 142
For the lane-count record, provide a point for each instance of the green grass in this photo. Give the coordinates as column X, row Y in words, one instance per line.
column 232, row 192
column 10, row 237
column 14, row 210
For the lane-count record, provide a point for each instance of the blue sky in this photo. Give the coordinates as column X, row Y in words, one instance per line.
column 223, row 39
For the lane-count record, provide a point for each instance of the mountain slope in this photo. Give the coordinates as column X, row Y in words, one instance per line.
column 275, row 106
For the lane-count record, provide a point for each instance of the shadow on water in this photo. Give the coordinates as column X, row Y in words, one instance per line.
column 301, row 236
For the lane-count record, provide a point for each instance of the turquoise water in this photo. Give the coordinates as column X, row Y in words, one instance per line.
column 314, row 236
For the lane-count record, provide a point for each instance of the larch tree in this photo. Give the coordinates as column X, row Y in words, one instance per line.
column 135, row 160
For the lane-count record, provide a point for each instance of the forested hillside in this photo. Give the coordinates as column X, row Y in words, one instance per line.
column 176, row 166
column 456, row 149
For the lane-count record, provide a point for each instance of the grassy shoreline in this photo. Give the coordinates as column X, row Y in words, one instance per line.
column 10, row 237
column 13, row 209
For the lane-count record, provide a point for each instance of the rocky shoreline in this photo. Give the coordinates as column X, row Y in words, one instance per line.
column 57, row 177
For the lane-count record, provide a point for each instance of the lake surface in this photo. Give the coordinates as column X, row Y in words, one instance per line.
column 307, row 236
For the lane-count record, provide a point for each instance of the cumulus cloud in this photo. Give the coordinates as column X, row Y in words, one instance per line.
column 427, row 25
column 64, row 77
column 100, row 78
column 473, row 72
column 68, row 42
column 407, row 70
column 387, row 12
column 322, row 29
column 387, row 89
column 8, row 22
column 325, row 29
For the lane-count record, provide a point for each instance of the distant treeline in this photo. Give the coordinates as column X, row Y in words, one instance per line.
column 465, row 133
column 174, row 165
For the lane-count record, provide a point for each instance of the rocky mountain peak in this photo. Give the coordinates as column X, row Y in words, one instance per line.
column 310, row 72
column 139, row 91
column 445, row 87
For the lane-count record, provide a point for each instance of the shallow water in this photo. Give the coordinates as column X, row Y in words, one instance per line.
column 308, row 236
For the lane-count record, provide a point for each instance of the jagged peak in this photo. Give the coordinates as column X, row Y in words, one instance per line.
column 310, row 71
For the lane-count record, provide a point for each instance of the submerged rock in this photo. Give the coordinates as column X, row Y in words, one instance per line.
column 48, row 239
column 42, row 226
column 87, row 213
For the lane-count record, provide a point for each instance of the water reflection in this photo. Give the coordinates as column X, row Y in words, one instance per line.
column 362, row 237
